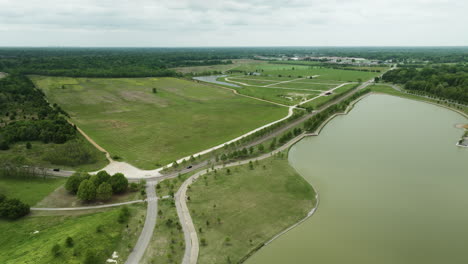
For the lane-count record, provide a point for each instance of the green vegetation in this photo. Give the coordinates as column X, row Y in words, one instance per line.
column 167, row 244
column 95, row 236
column 25, row 115
column 30, row 190
column 321, row 101
column 150, row 130
column 12, row 208
column 298, row 71
column 383, row 88
column 317, row 120
column 236, row 210
column 34, row 133
column 100, row 186
column 445, row 81
column 212, row 69
column 76, row 154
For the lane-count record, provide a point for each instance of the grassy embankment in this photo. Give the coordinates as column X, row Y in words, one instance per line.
column 236, row 213
column 152, row 129
column 380, row 88
column 100, row 233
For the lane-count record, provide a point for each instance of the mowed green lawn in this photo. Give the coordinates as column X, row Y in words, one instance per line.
column 296, row 71
column 235, row 213
column 20, row 243
column 150, row 129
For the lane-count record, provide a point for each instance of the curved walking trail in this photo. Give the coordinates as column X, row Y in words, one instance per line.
column 148, row 228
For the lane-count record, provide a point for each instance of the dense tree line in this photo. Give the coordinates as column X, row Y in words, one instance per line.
column 25, row 115
column 106, row 62
column 445, row 81
column 316, row 120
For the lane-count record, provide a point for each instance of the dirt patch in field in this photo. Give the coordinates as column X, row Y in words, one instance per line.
column 115, row 123
column 144, row 97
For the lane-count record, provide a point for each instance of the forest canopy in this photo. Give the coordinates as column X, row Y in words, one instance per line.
column 446, row 81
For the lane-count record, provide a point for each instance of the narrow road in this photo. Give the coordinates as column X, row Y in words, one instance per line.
column 148, row 229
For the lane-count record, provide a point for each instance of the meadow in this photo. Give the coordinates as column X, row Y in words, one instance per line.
column 235, row 212
column 30, row 239
column 298, row 71
column 150, row 122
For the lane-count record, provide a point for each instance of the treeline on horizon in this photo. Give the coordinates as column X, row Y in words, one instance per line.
column 445, row 81
column 105, row 62
column 145, row 62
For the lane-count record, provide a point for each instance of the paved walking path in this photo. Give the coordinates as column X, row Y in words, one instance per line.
column 148, row 229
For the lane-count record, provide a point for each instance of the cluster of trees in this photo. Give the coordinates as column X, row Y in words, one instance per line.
column 25, row 115
column 316, row 120
column 96, row 187
column 290, row 135
column 107, row 62
column 445, row 81
column 12, row 208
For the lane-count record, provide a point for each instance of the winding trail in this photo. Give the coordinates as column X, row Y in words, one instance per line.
column 148, row 228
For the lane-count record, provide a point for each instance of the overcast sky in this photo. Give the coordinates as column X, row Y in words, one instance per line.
column 161, row 23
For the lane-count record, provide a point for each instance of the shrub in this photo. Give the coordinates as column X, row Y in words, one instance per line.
column 13, row 208
column 69, row 242
column 124, row 215
column 56, row 250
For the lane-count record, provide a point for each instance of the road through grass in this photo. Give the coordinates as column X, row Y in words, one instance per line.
column 149, row 129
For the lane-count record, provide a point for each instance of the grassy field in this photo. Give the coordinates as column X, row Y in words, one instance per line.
column 235, row 213
column 152, row 129
column 167, row 244
column 43, row 155
column 29, row 191
column 389, row 90
column 283, row 96
column 297, row 71
column 19, row 244
column 211, row 68
column 290, row 84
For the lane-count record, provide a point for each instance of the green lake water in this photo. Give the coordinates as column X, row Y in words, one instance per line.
column 393, row 189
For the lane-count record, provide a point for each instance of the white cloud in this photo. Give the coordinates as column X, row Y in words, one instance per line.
column 232, row 22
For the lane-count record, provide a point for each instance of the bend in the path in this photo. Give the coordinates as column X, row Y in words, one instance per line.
column 148, row 228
